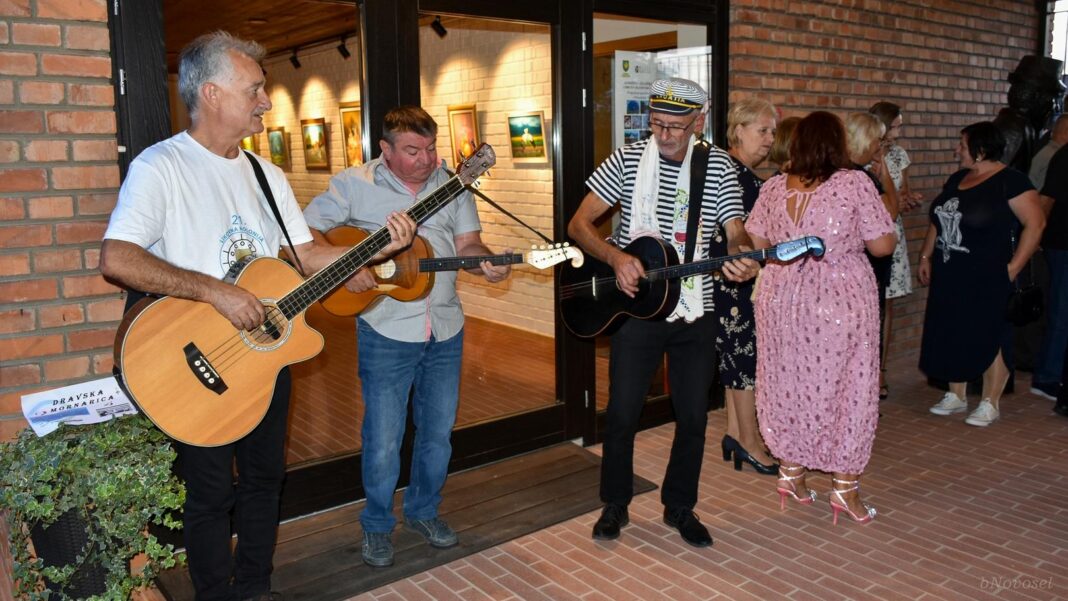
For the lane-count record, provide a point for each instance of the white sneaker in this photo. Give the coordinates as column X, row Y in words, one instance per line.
column 984, row 415
column 949, row 405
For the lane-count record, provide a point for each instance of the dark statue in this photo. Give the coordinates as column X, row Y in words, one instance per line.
column 1035, row 94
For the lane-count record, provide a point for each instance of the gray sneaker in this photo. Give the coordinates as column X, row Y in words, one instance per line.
column 435, row 531
column 984, row 415
column 949, row 405
column 378, row 549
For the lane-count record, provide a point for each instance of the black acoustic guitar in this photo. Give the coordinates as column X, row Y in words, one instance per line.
column 591, row 303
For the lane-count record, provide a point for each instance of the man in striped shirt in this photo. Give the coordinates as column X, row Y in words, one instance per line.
column 650, row 180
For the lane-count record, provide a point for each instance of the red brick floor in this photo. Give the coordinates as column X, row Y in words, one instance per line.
column 964, row 513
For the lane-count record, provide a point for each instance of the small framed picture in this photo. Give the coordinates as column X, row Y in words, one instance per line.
column 316, row 152
column 351, row 133
column 251, row 144
column 463, row 131
column 278, row 144
column 526, row 131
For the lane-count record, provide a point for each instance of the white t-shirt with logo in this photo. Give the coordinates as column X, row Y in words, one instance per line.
column 200, row 211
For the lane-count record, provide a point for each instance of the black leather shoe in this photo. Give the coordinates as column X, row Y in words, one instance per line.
column 1061, row 408
column 691, row 529
column 732, row 447
column 741, row 455
column 728, row 444
column 613, row 517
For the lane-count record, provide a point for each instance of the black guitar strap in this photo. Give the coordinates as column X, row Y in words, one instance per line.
column 698, row 167
column 262, row 178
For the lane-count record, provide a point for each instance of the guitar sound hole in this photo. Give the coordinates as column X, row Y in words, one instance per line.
column 272, row 329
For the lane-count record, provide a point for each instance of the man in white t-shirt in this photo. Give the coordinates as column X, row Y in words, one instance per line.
column 190, row 209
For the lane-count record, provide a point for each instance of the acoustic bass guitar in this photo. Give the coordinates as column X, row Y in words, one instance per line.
column 591, row 303
column 205, row 383
column 409, row 275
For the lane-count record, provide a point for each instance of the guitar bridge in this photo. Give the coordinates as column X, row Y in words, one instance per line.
column 203, row 369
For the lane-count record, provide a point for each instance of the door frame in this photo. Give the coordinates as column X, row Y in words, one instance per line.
column 392, row 78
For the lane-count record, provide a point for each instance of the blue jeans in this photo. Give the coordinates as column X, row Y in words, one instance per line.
column 389, row 371
column 1050, row 359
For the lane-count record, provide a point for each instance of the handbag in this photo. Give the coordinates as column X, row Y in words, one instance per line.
column 1026, row 302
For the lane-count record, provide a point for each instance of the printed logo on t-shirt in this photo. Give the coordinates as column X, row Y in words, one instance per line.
column 239, row 241
column 951, row 238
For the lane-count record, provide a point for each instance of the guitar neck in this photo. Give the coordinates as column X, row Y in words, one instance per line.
column 698, row 267
column 326, row 279
column 457, row 263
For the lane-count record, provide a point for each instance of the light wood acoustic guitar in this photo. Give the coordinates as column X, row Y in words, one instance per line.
column 591, row 303
column 205, row 383
column 409, row 275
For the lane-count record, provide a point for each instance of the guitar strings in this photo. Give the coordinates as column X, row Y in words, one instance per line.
column 570, row 290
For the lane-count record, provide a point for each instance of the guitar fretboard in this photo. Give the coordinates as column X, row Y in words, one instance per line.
column 455, row 263
column 322, row 282
column 698, row 267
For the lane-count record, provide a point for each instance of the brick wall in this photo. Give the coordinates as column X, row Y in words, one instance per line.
column 58, row 181
column 945, row 63
column 503, row 68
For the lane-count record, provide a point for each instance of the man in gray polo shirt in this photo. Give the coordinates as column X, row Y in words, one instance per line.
column 406, row 345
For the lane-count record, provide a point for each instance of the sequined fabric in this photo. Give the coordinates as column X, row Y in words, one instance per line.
column 818, row 326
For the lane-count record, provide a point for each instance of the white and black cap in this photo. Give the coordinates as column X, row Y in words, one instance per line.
column 676, row 96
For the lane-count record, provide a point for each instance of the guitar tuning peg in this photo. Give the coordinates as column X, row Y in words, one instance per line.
column 558, row 245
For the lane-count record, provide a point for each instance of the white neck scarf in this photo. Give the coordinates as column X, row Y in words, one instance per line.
column 643, row 222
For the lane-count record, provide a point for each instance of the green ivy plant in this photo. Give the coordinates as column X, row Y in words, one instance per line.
column 116, row 476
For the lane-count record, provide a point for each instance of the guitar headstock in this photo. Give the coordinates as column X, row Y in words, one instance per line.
column 809, row 245
column 475, row 165
column 547, row 256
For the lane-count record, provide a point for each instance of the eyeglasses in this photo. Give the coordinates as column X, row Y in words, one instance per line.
column 671, row 129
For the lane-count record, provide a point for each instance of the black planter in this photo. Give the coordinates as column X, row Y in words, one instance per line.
column 59, row 545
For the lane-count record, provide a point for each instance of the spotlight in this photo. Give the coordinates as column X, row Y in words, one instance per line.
column 439, row 28
column 342, row 50
column 293, row 60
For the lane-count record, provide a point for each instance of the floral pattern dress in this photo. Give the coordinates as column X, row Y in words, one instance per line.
column 817, row 324
column 896, row 161
column 736, row 336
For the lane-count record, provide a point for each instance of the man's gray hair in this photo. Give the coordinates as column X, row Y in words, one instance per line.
column 206, row 59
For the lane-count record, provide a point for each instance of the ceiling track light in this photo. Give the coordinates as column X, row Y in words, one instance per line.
column 438, row 27
column 343, row 50
column 293, row 60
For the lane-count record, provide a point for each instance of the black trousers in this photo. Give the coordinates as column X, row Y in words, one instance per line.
column 638, row 348
column 211, row 495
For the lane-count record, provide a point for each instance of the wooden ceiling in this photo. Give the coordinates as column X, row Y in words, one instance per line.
column 280, row 25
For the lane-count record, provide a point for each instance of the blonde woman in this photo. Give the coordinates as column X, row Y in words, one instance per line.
column 750, row 133
column 864, row 133
column 896, row 162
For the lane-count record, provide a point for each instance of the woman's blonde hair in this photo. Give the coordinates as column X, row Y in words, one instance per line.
column 861, row 130
column 745, row 112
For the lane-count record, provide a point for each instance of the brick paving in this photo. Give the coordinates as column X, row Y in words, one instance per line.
column 964, row 513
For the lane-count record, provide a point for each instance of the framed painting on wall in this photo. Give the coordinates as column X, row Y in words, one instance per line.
column 351, row 133
column 526, row 132
column 251, row 143
column 316, row 152
column 279, row 146
column 463, row 131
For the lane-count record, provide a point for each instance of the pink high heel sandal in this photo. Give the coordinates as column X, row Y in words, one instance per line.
column 860, row 519
column 784, row 492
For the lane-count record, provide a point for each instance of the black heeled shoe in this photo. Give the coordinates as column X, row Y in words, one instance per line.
column 731, row 448
column 728, row 444
column 741, row 455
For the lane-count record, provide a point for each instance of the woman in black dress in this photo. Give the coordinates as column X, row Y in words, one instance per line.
column 750, row 132
column 969, row 261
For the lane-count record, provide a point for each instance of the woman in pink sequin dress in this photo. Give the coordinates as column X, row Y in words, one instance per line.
column 818, row 318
